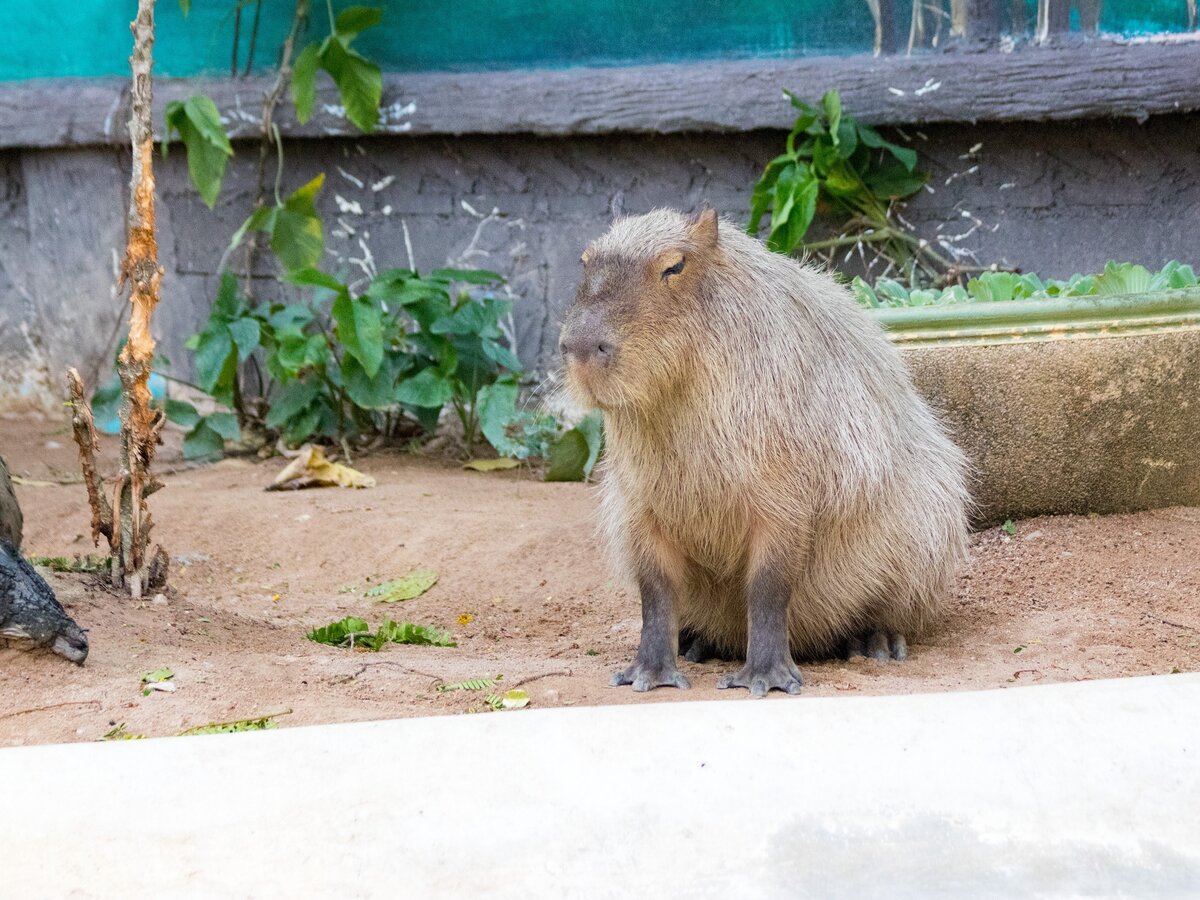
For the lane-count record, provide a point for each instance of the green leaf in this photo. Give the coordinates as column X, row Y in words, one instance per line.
column 366, row 391
column 208, row 149
column 408, row 633
column 471, row 684
column 263, row 723
column 214, row 355
column 568, row 457
column 467, row 276
column 496, row 405
column 225, row 424
column 341, row 632
column 894, row 181
column 227, row 303
column 760, row 198
column 501, row 355
column 872, row 138
column 354, row 20
column 203, row 114
column 297, row 237
column 428, row 388
column 1123, row 278
column 304, row 81
column 316, row 278
column 491, row 465
column 262, row 219
column 358, row 80
column 181, row 413
column 795, row 206
column 831, row 105
column 293, row 399
column 508, row 700
column 246, row 333
column 202, row 442
column 592, row 427
column 157, row 675
column 414, row 584
column 360, row 329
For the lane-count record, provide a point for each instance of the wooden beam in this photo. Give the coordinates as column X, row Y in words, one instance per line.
column 1029, row 84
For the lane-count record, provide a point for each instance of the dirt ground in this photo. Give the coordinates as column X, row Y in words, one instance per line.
column 524, row 590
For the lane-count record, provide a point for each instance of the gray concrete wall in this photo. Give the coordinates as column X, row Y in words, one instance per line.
column 1053, row 198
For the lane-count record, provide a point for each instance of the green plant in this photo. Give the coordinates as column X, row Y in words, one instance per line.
column 354, row 632
column 343, row 362
column 989, row 287
column 835, row 163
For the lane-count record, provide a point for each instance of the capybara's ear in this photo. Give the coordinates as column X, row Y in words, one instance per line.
column 702, row 227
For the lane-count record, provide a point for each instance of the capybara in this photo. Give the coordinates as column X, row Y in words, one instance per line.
column 772, row 482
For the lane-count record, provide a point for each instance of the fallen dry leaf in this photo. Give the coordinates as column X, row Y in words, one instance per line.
column 311, row 469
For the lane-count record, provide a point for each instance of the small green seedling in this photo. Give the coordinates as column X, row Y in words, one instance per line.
column 1009, row 528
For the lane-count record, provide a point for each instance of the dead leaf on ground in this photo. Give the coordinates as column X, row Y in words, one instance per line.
column 311, row 469
column 491, row 465
column 414, row 584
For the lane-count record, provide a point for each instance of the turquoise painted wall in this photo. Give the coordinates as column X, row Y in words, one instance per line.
column 54, row 38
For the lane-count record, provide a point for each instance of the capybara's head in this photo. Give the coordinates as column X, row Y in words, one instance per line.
column 629, row 337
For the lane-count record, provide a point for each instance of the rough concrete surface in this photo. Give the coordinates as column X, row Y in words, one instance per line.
column 1051, row 198
column 1071, row 426
column 1083, row 790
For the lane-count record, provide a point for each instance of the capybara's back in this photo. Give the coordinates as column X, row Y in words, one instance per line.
column 772, row 476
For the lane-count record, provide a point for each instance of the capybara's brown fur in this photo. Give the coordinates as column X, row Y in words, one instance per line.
column 758, row 421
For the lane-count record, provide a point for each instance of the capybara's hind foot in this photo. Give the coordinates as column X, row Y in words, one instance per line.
column 696, row 648
column 782, row 676
column 643, row 677
column 880, row 645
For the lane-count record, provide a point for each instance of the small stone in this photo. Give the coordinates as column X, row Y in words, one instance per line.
column 159, row 600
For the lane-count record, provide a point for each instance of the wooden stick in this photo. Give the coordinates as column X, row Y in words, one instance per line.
column 140, row 424
column 84, row 428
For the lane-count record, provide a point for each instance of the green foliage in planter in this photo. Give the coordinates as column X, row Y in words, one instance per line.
column 989, row 287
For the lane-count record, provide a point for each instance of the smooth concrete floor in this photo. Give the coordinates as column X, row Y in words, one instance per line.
column 1081, row 790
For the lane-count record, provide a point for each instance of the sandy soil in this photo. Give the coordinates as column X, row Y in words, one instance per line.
column 524, row 590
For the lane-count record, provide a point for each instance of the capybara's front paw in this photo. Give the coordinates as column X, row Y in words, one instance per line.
column 643, row 677
column 781, row 676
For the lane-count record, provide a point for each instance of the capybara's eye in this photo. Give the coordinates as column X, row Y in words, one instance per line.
column 675, row 269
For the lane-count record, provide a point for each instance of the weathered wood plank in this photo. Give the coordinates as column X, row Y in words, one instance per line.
column 1031, row 84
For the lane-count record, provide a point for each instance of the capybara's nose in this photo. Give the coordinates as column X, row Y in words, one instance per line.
column 586, row 348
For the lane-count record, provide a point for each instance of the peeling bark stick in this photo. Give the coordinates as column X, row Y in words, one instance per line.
column 140, row 424
column 85, row 436
column 126, row 520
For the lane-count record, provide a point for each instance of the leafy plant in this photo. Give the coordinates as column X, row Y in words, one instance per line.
column 261, row 723
column 89, row 563
column 835, row 163
column 471, row 684
column 355, row 632
column 988, row 287
column 343, row 363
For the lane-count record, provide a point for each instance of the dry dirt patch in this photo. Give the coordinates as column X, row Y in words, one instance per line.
column 523, row 588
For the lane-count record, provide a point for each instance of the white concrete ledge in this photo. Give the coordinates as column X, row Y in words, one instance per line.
column 1074, row 790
